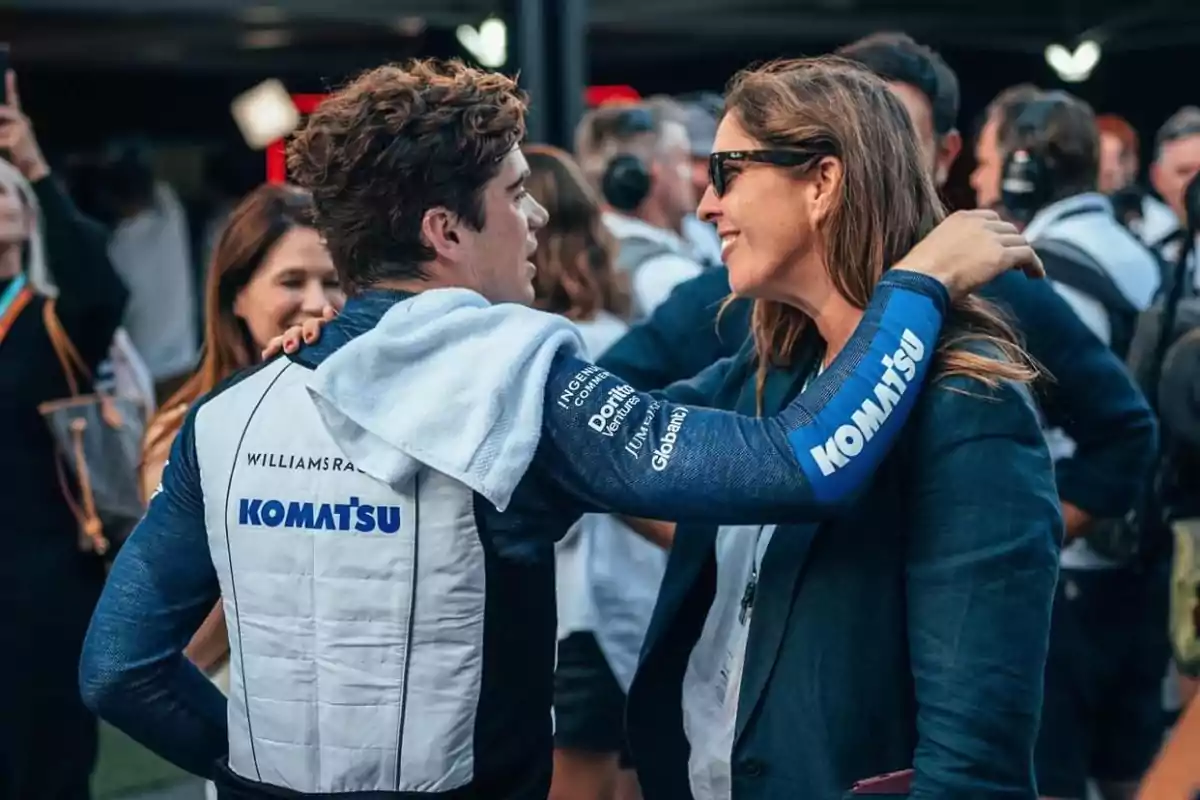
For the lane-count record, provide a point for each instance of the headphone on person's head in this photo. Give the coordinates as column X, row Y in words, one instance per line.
column 1027, row 177
column 626, row 180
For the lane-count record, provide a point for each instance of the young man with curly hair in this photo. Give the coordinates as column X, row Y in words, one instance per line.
column 378, row 511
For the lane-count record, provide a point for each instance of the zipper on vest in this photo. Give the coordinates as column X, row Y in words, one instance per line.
column 412, row 616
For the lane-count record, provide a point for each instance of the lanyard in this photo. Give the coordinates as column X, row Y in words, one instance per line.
column 12, row 302
column 760, row 552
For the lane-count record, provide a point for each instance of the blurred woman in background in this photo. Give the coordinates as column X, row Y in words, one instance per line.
column 607, row 576
column 270, row 270
column 47, row 585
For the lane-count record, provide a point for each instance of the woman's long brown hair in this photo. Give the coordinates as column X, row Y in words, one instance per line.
column 253, row 228
column 576, row 275
column 888, row 203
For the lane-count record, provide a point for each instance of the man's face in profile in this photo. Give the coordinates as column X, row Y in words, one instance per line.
column 672, row 169
column 1177, row 163
column 495, row 260
column 989, row 163
column 937, row 152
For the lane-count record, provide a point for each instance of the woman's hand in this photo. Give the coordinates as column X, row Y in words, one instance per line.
column 16, row 135
column 970, row 248
column 309, row 331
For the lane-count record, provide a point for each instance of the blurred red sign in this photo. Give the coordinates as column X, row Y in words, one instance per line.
column 277, row 150
column 603, row 95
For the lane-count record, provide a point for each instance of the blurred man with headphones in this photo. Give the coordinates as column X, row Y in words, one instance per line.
column 1038, row 160
column 639, row 158
column 1048, row 148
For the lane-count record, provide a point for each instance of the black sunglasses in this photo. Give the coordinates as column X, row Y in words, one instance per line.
column 719, row 175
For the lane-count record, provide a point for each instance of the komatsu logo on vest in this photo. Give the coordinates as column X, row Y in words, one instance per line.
column 353, row 515
column 848, row 440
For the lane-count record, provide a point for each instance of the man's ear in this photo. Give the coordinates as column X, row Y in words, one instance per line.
column 440, row 229
column 949, row 147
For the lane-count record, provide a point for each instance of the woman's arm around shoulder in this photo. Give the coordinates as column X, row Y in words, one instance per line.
column 982, row 563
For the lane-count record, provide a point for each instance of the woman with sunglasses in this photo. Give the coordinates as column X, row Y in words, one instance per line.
column 796, row 660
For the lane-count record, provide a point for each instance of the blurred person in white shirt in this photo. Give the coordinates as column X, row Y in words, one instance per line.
column 638, row 157
column 151, row 251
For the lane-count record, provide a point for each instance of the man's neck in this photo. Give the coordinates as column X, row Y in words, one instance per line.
column 410, row 285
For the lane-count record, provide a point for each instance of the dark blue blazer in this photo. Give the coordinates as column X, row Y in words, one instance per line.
column 911, row 633
column 1091, row 396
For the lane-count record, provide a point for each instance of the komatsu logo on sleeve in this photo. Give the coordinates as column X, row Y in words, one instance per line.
column 352, row 515
column 848, row 440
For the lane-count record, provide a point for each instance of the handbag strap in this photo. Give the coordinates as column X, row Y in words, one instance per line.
column 72, row 363
column 13, row 302
column 91, row 529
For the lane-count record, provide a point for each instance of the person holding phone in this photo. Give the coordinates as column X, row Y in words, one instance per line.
column 48, row 587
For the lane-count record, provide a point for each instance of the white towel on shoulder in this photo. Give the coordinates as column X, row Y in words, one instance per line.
column 449, row 381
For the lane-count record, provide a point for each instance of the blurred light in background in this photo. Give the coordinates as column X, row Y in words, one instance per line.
column 488, row 43
column 265, row 113
column 1074, row 67
column 266, row 39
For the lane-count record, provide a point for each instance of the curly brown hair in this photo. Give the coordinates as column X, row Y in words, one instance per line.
column 394, row 143
column 576, row 276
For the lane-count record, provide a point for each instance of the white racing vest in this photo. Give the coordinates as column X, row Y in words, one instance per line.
column 355, row 609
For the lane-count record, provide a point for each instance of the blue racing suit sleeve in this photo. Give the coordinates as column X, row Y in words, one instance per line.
column 611, row 448
column 1091, row 396
column 133, row 673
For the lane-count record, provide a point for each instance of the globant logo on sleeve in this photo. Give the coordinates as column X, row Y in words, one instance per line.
column 661, row 457
column 900, row 368
column 353, row 515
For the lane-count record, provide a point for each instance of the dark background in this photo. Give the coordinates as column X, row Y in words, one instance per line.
column 93, row 70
